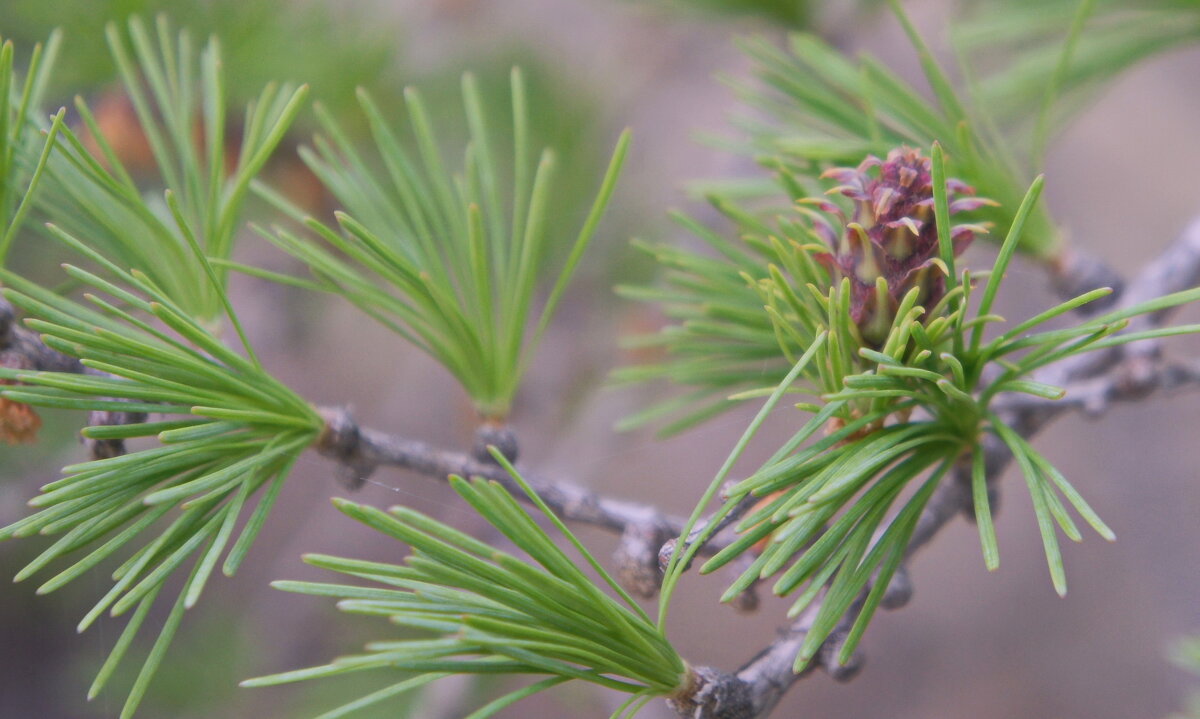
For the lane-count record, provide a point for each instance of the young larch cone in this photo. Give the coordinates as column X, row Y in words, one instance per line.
column 892, row 236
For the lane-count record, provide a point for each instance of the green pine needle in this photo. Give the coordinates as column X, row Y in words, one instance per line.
column 176, row 96
column 1046, row 60
column 233, row 430
column 23, row 151
column 825, row 110
column 451, row 262
column 833, row 517
column 492, row 612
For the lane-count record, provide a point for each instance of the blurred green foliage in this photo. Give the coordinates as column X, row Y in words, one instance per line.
column 791, row 14
column 1186, row 655
column 262, row 41
column 1015, row 48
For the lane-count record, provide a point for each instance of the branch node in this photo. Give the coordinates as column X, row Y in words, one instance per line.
column 747, row 601
column 828, row 658
column 8, row 317
column 637, row 558
column 665, row 552
column 1138, row 375
column 1076, row 272
column 498, row 435
column 341, row 440
column 899, row 590
column 845, row 672
column 109, row 448
column 710, row 694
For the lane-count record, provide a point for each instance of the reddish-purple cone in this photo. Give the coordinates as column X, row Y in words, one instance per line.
column 892, row 235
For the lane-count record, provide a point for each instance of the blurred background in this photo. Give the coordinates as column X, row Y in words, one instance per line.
column 1121, row 179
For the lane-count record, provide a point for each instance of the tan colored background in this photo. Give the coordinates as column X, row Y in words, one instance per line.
column 1122, row 179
